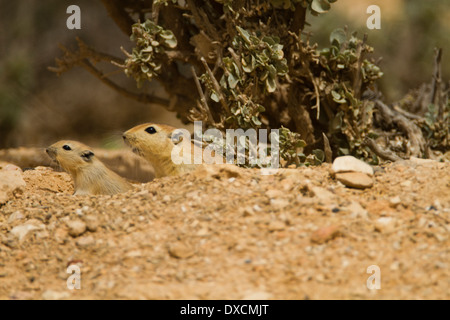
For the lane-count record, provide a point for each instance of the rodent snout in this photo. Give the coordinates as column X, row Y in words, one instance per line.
column 127, row 139
column 51, row 152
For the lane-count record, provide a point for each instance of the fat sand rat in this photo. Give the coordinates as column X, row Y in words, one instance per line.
column 156, row 143
column 90, row 175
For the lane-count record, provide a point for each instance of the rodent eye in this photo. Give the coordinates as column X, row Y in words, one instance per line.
column 150, row 130
column 66, row 147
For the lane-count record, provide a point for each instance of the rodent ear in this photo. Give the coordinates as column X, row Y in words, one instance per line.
column 87, row 155
column 176, row 137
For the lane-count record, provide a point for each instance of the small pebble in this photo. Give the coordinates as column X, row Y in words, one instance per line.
column 76, row 227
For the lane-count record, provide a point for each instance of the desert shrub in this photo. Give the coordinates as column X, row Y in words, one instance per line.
column 253, row 65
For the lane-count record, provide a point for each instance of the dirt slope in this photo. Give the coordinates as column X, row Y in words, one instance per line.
column 232, row 234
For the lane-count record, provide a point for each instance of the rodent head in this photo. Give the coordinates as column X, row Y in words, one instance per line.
column 71, row 155
column 150, row 140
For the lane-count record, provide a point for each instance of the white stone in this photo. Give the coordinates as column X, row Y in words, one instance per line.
column 351, row 164
column 10, row 181
column 20, row 232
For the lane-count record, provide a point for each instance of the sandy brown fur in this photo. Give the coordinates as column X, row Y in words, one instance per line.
column 157, row 148
column 90, row 175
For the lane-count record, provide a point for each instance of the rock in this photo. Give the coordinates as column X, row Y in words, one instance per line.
column 91, row 223
column 406, row 184
column 17, row 215
column 218, row 171
column 355, row 180
column 425, row 162
column 9, row 167
column 395, row 201
column 85, row 241
column 257, row 295
column 21, row 232
column 42, row 234
column 322, row 194
column 134, row 254
column 357, row 211
column 257, row 208
column 385, row 224
column 61, row 235
column 11, row 182
column 278, row 204
column 276, row 226
column 76, row 227
column 325, row 234
column 274, row 193
column 247, row 211
column 351, row 164
column 55, row 295
column 21, row 295
column 180, row 250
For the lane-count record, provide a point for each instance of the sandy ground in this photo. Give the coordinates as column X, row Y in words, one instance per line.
column 231, row 233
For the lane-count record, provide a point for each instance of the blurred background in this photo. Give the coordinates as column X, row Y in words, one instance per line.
column 38, row 108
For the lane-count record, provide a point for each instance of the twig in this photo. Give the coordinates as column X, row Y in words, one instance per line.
column 235, row 58
column 216, row 85
column 155, row 11
column 117, row 12
column 412, row 131
column 81, row 58
column 357, row 81
column 84, row 52
column 202, row 21
column 436, row 86
column 316, row 93
column 145, row 98
column 202, row 97
column 407, row 114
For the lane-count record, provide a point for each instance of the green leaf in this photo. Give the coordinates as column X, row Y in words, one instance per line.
column 339, row 36
column 320, row 6
column 320, row 155
column 247, row 68
column 167, row 34
column 256, row 121
column 271, row 84
column 232, row 81
column 214, row 97
column 337, row 97
column 272, row 71
column 244, row 34
column 171, row 43
column 268, row 40
column 336, row 122
column 264, row 76
column 300, row 143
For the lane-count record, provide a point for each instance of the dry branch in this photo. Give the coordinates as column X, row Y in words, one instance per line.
column 384, row 154
column 413, row 132
column 117, row 12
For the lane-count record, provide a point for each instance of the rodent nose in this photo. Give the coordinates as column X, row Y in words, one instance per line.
column 51, row 152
